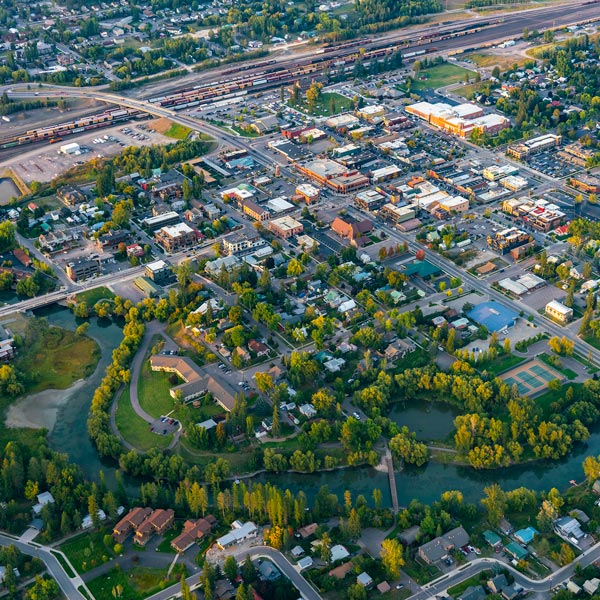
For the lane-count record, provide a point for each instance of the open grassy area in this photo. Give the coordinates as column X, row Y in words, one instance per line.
column 439, row 76
column 134, row 429
column 178, row 131
column 54, row 358
column 323, row 108
column 545, row 400
column 490, row 60
column 459, row 588
column 503, row 363
column 136, row 584
column 91, row 297
column 87, row 550
column 153, row 391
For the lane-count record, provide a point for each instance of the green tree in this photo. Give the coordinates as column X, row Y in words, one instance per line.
column 495, row 503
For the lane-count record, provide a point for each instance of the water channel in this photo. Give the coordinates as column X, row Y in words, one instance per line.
column 8, row 190
column 431, row 421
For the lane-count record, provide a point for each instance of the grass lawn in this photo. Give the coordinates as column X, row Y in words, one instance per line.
column 546, row 400
column 177, row 131
column 323, row 108
column 459, row 588
column 439, row 76
column 503, row 363
column 485, row 59
column 87, row 550
column 91, row 297
column 153, row 391
column 165, row 545
column 134, row 429
column 63, row 563
column 420, row 572
column 54, row 358
column 137, row 583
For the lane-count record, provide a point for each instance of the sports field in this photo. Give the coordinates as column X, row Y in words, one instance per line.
column 531, row 377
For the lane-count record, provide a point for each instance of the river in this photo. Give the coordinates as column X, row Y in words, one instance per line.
column 426, row 484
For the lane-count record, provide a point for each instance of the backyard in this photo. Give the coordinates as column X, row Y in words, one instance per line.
column 153, row 390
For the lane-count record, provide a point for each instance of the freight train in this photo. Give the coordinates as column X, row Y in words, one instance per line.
column 55, row 133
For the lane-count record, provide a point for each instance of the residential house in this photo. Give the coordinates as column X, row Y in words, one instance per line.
column 384, row 587
column 399, row 349
column 497, row 584
column 239, row 532
column 341, row 571
column 193, row 530
column 159, row 521
column 42, row 500
column 258, row 348
column 473, row 592
column 438, row 548
column 569, row 528
column 131, row 521
column 308, row 410
column 242, row 353
column 7, row 345
column 364, row 580
column 308, row 530
column 505, row 526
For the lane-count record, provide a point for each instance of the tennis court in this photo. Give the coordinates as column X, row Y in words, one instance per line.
column 531, row 378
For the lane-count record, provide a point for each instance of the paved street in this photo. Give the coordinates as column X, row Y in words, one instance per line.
column 67, row 584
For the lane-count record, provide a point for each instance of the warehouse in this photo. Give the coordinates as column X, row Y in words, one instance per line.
column 72, row 148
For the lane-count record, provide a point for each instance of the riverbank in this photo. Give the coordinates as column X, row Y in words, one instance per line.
column 40, row 410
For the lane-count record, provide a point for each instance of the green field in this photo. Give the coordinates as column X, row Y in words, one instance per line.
column 153, row 391
column 134, row 429
column 87, row 550
column 178, row 132
column 323, row 108
column 54, row 358
column 91, row 297
column 135, row 584
column 439, row 76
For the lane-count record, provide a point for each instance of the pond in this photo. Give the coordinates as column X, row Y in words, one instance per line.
column 429, row 420
column 8, row 190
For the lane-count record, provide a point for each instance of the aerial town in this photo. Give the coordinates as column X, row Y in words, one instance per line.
column 300, row 301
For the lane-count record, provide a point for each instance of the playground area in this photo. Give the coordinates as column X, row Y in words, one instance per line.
column 531, row 377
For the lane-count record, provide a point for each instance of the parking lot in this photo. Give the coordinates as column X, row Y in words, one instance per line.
column 549, row 163
column 44, row 163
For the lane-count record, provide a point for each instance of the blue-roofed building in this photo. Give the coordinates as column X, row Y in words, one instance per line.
column 526, row 535
column 493, row 316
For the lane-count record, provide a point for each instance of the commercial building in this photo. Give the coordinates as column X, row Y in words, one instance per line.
column 369, row 200
column 309, row 193
column 454, row 204
column 533, row 146
column 334, row 175
column 159, row 271
column 507, row 239
column 83, row 269
column 285, row 227
column 163, row 220
column 385, row 174
column 371, row 112
column 493, row 315
column 496, row 172
column 586, row 183
column 176, row 237
column 255, row 211
column 461, row 120
column 397, row 214
column 196, row 383
column 558, row 311
column 242, row 242
column 147, row 286
column 72, row 148
column 540, row 214
column 514, row 183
